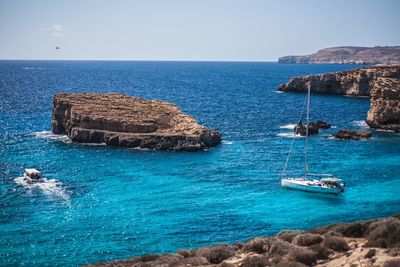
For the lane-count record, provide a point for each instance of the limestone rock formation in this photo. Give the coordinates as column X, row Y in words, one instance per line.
column 302, row 129
column 121, row 120
column 387, row 55
column 384, row 112
column 313, row 128
column 358, row 82
column 346, row 134
column 381, row 83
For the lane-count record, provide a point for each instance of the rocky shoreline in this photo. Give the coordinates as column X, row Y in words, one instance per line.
column 380, row 83
column 364, row 243
column 121, row 120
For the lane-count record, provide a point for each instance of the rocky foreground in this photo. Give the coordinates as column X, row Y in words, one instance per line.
column 380, row 83
column 364, row 243
column 387, row 55
column 121, row 120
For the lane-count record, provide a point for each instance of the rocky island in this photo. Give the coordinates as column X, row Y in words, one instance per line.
column 387, row 55
column 363, row 243
column 121, row 120
column 380, row 83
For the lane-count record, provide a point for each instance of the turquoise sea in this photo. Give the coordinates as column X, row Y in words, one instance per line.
column 101, row 203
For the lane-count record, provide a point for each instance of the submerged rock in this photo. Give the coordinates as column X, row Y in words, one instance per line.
column 121, row 120
column 353, row 134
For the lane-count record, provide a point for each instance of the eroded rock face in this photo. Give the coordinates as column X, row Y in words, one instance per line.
column 357, row 82
column 381, row 83
column 121, row 120
column 384, row 112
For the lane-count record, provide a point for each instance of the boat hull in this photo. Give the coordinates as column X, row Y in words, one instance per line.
column 301, row 185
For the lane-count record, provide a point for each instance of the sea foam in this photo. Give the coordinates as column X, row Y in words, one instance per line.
column 361, row 124
column 50, row 135
column 288, row 126
column 289, row 135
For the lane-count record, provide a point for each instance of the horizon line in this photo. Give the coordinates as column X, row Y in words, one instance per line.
column 146, row 60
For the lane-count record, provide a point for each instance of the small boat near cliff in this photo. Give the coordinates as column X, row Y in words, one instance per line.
column 326, row 183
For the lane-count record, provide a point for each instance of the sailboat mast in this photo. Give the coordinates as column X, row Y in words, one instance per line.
column 306, row 140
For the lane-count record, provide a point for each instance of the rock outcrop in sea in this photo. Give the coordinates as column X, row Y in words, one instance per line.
column 347, row 134
column 387, row 55
column 313, row 128
column 381, row 83
column 364, row 243
column 121, row 120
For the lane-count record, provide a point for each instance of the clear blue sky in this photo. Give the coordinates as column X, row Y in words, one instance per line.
column 254, row 30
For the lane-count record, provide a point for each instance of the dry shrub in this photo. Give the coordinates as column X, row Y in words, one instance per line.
column 307, row 239
column 336, row 243
column 290, row 264
column 258, row 245
column 149, row 257
column 185, row 253
column 168, row 259
column 288, row 235
column 280, row 248
column 192, row 261
column 303, row 255
column 216, row 254
column 255, row 261
column 321, row 252
column 384, row 233
column 392, row 263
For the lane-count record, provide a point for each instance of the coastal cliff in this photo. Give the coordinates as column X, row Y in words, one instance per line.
column 386, row 55
column 121, row 120
column 384, row 112
column 364, row 243
column 358, row 82
column 381, row 83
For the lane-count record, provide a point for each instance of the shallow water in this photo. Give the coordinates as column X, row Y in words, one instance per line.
column 123, row 202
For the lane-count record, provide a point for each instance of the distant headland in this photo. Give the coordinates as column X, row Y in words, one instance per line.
column 387, row 55
column 121, row 120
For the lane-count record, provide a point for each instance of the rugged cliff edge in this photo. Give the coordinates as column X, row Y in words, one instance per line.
column 121, row 120
column 384, row 112
column 364, row 243
column 386, row 55
column 381, row 83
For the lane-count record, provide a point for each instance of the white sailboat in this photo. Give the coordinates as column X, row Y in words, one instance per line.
column 311, row 182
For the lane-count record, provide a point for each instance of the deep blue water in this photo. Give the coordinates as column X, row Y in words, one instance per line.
column 115, row 203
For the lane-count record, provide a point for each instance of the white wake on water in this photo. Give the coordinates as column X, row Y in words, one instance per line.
column 289, row 135
column 227, row 142
column 50, row 135
column 288, row 126
column 50, row 187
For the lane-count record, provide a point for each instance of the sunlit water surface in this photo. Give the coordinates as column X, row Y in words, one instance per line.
column 101, row 203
